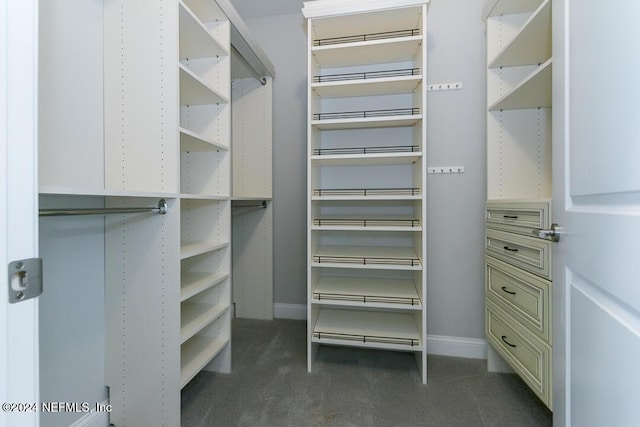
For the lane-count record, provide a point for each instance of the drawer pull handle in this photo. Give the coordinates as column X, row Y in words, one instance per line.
column 504, row 339
column 504, row 289
column 507, row 248
column 510, row 216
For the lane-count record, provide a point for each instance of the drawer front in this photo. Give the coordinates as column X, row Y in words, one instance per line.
column 526, row 354
column 524, row 296
column 518, row 217
column 528, row 253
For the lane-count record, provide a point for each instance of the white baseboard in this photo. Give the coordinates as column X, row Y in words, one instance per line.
column 290, row 311
column 469, row 348
column 93, row 419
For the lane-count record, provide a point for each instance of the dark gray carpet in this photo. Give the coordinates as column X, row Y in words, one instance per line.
column 270, row 386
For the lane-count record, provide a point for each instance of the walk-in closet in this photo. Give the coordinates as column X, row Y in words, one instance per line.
column 319, row 213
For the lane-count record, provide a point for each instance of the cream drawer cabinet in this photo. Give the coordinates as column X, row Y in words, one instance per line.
column 528, row 253
column 522, row 295
column 518, row 290
column 520, row 217
column 528, row 355
column 519, row 187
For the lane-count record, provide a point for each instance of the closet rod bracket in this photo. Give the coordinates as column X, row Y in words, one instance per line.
column 163, row 208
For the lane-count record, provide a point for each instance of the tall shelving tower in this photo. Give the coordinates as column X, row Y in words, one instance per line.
column 367, row 176
column 518, row 273
column 205, row 168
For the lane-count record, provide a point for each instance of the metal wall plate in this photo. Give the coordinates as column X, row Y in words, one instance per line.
column 25, row 279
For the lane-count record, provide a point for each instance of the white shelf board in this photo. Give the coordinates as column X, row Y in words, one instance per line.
column 375, row 197
column 533, row 92
column 196, row 353
column 195, row 39
column 205, row 10
column 71, row 191
column 193, row 283
column 193, row 91
column 190, row 196
column 367, row 52
column 191, row 141
column 367, row 87
column 367, row 123
column 532, row 44
column 367, row 159
column 357, row 253
column 250, row 198
column 382, row 15
column 509, row 7
column 88, row 192
column 190, row 249
column 194, row 317
column 368, row 228
column 354, row 291
column 360, row 323
column 370, row 218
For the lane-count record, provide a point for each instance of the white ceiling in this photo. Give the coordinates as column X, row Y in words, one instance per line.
column 256, row 8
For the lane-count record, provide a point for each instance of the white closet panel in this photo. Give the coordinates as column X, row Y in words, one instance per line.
column 252, row 191
column 142, row 274
column 140, row 96
column 252, row 138
column 70, row 97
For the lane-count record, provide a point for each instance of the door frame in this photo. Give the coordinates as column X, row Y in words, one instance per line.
column 591, row 218
column 561, row 392
column 19, row 359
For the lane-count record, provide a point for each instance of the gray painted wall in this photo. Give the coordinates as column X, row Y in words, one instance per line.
column 284, row 40
column 456, row 138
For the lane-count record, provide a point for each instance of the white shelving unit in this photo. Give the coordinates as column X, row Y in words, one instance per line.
column 205, row 185
column 367, row 176
column 109, row 140
column 135, row 106
column 518, row 271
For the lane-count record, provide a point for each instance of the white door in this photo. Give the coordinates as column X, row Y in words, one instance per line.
column 597, row 204
column 19, row 374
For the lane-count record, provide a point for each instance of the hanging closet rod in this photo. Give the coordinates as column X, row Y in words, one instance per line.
column 259, row 204
column 245, row 45
column 161, row 209
column 257, row 75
